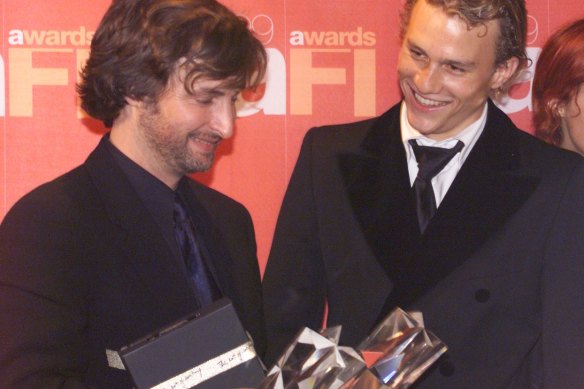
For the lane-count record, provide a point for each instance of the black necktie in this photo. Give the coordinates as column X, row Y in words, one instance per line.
column 431, row 160
column 184, row 232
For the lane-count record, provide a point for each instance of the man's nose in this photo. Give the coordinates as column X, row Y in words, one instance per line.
column 223, row 117
column 428, row 79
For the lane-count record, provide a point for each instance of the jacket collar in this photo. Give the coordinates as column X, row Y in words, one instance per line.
column 489, row 189
column 146, row 252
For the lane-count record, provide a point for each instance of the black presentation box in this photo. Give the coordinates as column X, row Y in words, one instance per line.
column 207, row 350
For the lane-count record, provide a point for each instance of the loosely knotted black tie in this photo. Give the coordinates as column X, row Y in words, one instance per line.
column 184, row 232
column 431, row 160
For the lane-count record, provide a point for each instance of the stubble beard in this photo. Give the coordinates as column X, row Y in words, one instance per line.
column 170, row 149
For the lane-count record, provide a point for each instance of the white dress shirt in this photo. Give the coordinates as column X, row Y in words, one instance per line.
column 442, row 181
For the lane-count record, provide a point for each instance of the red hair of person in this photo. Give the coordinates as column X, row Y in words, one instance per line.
column 558, row 75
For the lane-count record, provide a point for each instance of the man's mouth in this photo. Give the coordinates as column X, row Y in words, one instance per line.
column 209, row 142
column 428, row 102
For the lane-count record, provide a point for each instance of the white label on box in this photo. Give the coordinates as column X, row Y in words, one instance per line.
column 211, row 368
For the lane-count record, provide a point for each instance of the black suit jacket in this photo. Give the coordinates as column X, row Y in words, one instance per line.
column 497, row 273
column 85, row 269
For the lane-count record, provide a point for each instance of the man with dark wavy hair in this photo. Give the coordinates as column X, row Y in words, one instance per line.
column 90, row 262
column 441, row 205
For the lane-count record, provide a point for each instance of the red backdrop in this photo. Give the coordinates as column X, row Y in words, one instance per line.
column 331, row 61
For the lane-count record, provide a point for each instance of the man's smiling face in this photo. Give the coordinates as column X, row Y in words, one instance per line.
column 446, row 70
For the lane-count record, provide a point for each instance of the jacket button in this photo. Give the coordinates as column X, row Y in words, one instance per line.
column 482, row 295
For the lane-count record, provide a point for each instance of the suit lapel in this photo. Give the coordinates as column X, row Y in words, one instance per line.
column 378, row 187
column 148, row 256
column 489, row 188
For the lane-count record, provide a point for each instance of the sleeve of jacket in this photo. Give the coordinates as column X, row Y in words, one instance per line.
column 562, row 291
column 41, row 299
column 293, row 284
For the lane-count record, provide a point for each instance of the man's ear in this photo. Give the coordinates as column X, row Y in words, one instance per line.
column 132, row 108
column 133, row 102
column 504, row 72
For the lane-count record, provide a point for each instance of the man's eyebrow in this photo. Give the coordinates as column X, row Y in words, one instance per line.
column 460, row 64
column 210, row 91
column 451, row 62
column 412, row 45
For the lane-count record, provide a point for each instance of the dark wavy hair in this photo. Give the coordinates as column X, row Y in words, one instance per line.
column 139, row 43
column 511, row 15
column 559, row 74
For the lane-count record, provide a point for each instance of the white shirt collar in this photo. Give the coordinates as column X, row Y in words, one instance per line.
column 468, row 136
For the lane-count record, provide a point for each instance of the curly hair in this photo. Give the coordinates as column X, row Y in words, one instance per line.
column 559, row 74
column 139, row 43
column 511, row 15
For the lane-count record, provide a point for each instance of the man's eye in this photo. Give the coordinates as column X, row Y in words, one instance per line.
column 205, row 101
column 416, row 54
column 456, row 69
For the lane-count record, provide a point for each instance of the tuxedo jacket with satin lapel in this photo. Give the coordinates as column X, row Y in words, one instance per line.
column 85, row 269
column 497, row 274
